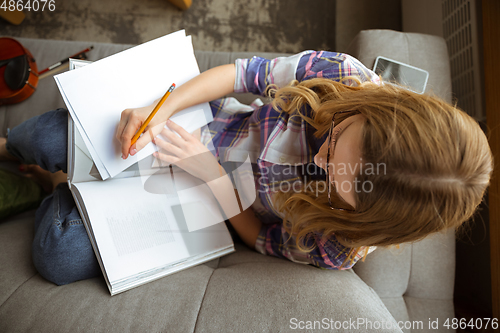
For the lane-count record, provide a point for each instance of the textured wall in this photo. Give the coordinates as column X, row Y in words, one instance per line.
column 223, row 25
column 236, row 25
column 356, row 15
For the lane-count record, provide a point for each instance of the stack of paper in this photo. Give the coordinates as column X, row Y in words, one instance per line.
column 96, row 95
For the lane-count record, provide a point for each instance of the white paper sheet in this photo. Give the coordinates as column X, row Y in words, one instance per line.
column 97, row 94
column 137, row 231
column 151, row 244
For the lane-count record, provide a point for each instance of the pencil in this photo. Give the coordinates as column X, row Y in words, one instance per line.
column 152, row 114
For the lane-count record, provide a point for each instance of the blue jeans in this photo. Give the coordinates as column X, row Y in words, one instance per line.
column 61, row 251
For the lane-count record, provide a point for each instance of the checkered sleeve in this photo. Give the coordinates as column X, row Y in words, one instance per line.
column 335, row 66
column 327, row 253
column 256, row 74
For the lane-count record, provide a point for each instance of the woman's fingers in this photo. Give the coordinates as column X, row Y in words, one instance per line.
column 190, row 155
column 130, row 122
column 166, row 158
column 123, row 122
column 128, row 132
column 146, row 138
column 174, row 138
column 182, row 132
column 169, row 147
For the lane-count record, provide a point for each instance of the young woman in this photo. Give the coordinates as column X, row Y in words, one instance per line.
column 341, row 162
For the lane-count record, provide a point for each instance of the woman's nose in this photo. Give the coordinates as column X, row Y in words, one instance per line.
column 320, row 161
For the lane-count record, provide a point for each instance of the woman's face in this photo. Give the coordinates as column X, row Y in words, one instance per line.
column 345, row 157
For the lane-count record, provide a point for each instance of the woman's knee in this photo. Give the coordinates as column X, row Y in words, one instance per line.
column 62, row 266
column 62, row 252
column 41, row 140
column 49, row 138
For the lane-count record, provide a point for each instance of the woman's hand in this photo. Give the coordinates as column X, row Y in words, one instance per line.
column 187, row 152
column 131, row 120
column 198, row 90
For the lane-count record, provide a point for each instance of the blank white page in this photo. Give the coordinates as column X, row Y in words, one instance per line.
column 135, row 231
column 99, row 92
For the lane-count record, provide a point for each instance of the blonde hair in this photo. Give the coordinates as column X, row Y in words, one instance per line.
column 437, row 160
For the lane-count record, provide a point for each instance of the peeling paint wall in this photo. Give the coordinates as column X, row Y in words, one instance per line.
column 216, row 25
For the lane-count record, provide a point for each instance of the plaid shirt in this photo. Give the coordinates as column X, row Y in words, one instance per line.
column 280, row 146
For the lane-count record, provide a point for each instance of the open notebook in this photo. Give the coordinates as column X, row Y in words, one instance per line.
column 136, row 217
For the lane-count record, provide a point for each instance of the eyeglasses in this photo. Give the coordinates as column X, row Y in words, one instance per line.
column 335, row 121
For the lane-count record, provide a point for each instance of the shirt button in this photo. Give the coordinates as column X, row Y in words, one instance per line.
column 282, row 159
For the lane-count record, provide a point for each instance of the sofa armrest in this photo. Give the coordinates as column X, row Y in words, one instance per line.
column 419, row 50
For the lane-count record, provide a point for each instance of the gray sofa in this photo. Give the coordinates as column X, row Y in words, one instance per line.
column 244, row 291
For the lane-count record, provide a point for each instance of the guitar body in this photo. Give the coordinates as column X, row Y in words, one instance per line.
column 18, row 72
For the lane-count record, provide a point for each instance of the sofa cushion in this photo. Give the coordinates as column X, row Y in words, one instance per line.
column 244, row 291
column 16, row 235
